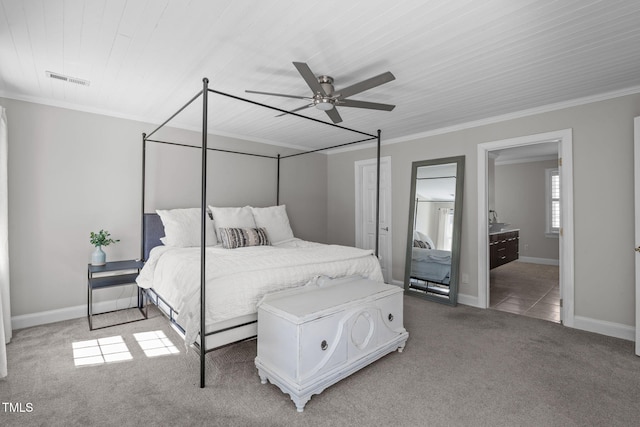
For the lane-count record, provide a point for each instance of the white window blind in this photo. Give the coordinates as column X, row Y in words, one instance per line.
column 553, row 201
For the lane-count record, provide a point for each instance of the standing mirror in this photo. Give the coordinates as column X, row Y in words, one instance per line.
column 435, row 219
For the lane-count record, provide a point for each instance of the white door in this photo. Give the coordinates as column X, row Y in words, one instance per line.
column 366, row 176
column 636, row 155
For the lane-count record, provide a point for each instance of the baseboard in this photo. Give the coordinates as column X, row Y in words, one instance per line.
column 462, row 298
column 611, row 329
column 51, row 316
column 544, row 261
column 468, row 300
column 602, row 327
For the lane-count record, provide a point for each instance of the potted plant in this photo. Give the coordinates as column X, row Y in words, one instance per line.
column 99, row 239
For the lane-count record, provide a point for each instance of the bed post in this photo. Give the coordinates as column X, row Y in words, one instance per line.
column 378, row 194
column 203, row 236
column 144, row 163
column 278, row 182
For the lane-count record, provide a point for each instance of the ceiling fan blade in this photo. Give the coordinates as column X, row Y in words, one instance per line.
column 364, row 104
column 333, row 114
column 310, row 78
column 296, row 109
column 366, row 84
column 277, row 94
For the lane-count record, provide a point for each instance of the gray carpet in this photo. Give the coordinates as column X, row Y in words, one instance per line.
column 461, row 367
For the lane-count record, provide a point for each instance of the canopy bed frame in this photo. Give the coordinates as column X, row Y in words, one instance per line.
column 152, row 227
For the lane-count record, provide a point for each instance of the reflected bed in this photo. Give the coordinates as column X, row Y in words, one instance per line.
column 430, row 270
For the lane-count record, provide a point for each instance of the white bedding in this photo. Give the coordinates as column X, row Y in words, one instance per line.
column 238, row 278
column 431, row 255
column 431, row 264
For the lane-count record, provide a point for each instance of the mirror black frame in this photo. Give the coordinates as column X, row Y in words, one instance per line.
column 457, row 226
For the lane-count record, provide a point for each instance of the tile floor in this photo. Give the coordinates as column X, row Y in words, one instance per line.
column 526, row 289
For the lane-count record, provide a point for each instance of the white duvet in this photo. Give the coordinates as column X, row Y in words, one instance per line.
column 236, row 279
column 431, row 255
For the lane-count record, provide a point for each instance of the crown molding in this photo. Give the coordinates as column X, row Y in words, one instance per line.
column 440, row 131
column 154, row 121
column 501, row 118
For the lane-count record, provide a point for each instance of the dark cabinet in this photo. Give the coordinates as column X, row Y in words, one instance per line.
column 503, row 247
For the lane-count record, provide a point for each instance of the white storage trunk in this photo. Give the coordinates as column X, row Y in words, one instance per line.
column 311, row 337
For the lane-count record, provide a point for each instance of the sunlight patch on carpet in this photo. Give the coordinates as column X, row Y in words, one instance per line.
column 99, row 351
column 155, row 343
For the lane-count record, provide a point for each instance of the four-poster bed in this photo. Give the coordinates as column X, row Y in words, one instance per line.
column 234, row 329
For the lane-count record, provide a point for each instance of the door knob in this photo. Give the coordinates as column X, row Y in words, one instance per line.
column 638, row 249
column 384, row 228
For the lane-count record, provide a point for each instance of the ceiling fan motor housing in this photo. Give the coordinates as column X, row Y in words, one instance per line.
column 327, row 84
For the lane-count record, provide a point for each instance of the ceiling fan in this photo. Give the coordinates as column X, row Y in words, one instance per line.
column 326, row 98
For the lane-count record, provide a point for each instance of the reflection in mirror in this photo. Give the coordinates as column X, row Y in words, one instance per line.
column 435, row 218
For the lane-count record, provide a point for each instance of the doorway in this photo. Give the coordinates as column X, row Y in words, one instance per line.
column 565, row 232
column 523, row 199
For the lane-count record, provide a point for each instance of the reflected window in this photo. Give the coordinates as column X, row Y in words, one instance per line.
column 448, row 229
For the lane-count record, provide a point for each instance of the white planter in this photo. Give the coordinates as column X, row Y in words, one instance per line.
column 98, row 257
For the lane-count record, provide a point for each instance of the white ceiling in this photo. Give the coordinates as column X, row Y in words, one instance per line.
column 455, row 61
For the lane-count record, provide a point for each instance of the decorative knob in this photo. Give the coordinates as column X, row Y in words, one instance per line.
column 324, row 345
column 390, row 317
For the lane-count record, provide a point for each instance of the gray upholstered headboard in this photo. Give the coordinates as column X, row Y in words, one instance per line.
column 153, row 231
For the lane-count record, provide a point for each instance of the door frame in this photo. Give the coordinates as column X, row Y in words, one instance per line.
column 385, row 162
column 566, row 238
column 636, row 180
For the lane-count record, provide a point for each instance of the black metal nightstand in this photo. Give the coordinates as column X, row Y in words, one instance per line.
column 111, row 274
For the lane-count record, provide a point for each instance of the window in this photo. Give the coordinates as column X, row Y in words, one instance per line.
column 553, row 202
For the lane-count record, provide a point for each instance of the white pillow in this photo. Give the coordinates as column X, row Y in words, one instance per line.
column 275, row 220
column 182, row 228
column 232, row 218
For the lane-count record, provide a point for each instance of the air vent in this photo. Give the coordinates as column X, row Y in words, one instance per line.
column 69, row 79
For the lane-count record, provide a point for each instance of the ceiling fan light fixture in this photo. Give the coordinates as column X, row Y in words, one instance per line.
column 324, row 104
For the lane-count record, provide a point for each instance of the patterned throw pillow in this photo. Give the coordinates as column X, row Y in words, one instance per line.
column 241, row 237
column 420, row 244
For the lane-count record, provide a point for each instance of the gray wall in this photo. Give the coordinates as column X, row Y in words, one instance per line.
column 72, row 172
column 520, row 200
column 603, row 165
